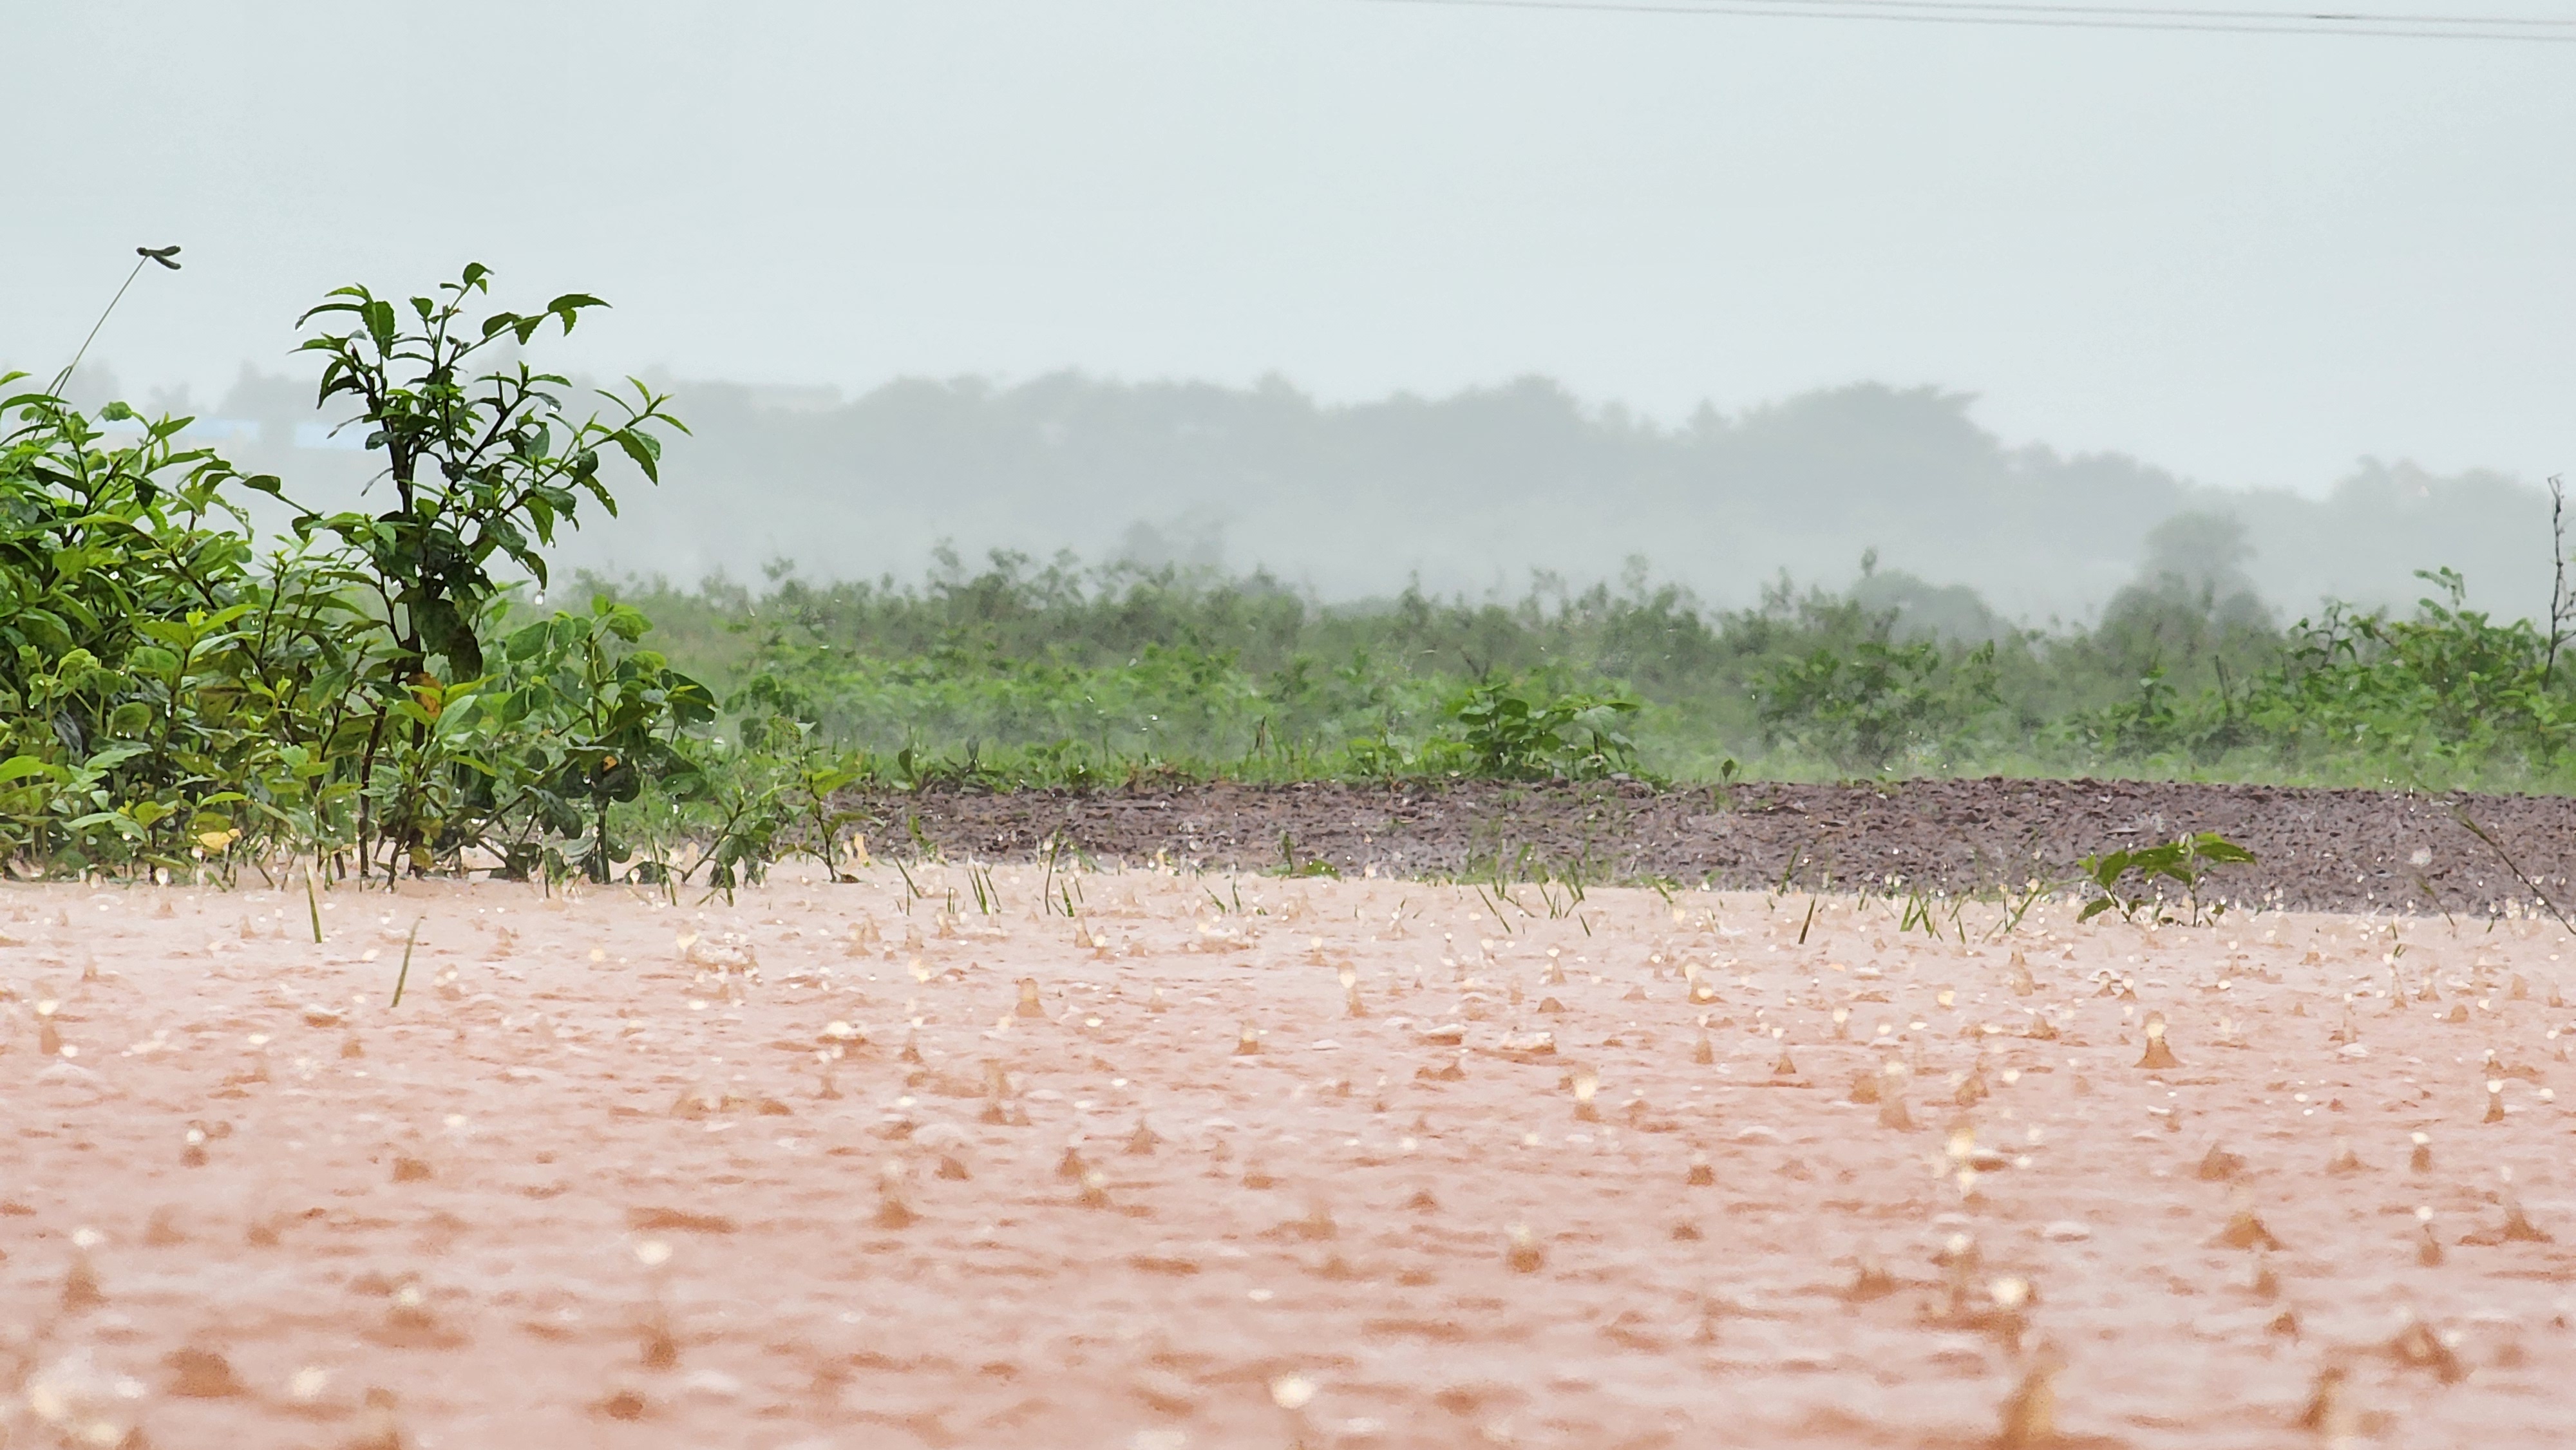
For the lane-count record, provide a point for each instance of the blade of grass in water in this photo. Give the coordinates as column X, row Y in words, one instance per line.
column 400, row 977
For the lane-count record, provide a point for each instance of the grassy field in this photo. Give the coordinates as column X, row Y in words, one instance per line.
column 1047, row 672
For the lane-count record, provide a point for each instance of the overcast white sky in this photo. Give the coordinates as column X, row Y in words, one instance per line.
column 2249, row 258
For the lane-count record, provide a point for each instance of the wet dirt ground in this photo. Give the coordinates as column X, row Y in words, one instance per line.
column 1222, row 1162
column 2317, row 850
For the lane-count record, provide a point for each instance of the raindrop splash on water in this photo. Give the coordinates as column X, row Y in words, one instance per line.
column 2245, row 1230
column 2158, row 1054
column 1586, row 1082
column 1891, row 1097
column 892, row 1211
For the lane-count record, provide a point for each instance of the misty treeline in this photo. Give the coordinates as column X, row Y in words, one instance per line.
column 1019, row 671
column 1467, row 493
column 210, row 665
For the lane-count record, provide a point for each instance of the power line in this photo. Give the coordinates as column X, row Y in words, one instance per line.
column 2161, row 12
column 2072, row 17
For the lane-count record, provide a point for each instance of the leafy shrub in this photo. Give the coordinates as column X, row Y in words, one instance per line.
column 577, row 720
column 167, row 697
column 1505, row 734
column 482, row 464
column 158, row 694
column 1865, row 706
column 2448, row 686
column 2186, row 861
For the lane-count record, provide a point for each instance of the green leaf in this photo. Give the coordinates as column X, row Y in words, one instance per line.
column 569, row 306
column 2211, row 846
column 643, row 448
column 114, row 756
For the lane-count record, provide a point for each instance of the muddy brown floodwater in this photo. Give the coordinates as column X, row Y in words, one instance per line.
column 1225, row 1162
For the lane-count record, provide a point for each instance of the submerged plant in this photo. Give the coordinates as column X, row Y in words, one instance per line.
column 2187, row 861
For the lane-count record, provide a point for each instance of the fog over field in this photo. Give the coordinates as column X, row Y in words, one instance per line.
column 1360, row 293
column 1470, row 493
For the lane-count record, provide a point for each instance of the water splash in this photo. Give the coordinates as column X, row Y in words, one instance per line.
column 2029, row 1419
column 2329, row 1414
column 2158, row 1054
column 1891, row 1098
column 893, row 1212
column 2245, row 1230
column 2418, row 1346
column 80, row 1280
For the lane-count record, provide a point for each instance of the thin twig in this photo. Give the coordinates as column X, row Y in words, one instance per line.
column 312, row 903
column 404, row 975
column 143, row 255
column 2560, row 603
column 2461, row 814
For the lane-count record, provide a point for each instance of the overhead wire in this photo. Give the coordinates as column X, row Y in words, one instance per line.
column 2537, row 30
column 2195, row 13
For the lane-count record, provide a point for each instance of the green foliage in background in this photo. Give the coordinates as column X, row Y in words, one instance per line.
column 1504, row 734
column 1864, row 704
column 370, row 694
column 1029, row 673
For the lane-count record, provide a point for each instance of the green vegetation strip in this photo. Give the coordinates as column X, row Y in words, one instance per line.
column 370, row 693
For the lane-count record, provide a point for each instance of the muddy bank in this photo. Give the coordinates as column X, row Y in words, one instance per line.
column 2319, row 850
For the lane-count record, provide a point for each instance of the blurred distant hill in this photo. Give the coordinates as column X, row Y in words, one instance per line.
column 1470, row 492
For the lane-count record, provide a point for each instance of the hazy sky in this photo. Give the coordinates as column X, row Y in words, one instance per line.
column 2249, row 258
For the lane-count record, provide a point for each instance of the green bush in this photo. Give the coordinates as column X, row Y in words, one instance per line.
column 1505, row 734
column 170, row 697
column 1867, row 704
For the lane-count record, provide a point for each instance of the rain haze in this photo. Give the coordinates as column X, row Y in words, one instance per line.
column 1345, row 723
column 1361, row 292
